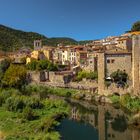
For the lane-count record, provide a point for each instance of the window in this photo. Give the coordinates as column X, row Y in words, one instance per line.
column 108, row 61
column 112, row 61
column 90, row 62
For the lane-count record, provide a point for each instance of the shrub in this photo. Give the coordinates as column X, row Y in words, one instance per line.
column 1, row 99
column 32, row 65
column 130, row 103
column 15, row 76
column 119, row 75
column 125, row 99
column 4, row 94
column 34, row 103
column 18, row 103
column 52, row 67
column 4, row 65
column 42, row 64
column 115, row 98
column 92, row 75
column 15, row 103
column 52, row 136
column 40, row 91
column 28, row 113
column 88, row 75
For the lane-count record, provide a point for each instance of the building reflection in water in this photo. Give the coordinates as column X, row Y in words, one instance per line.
column 111, row 123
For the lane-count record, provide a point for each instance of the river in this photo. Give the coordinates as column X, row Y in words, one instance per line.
column 97, row 122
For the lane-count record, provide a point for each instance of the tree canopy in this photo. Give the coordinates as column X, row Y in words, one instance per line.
column 136, row 26
column 119, row 75
column 15, row 76
column 42, row 65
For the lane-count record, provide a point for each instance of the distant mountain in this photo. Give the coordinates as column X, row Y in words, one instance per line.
column 12, row 39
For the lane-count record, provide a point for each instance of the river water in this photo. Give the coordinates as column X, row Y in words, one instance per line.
column 97, row 122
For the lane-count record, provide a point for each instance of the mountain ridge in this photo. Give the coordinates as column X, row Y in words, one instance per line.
column 14, row 39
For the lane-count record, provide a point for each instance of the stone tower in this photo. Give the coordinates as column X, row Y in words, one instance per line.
column 136, row 64
column 37, row 44
column 101, row 73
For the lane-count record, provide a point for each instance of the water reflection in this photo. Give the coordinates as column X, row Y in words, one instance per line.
column 110, row 123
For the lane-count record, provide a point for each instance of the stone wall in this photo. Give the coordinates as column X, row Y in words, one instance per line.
column 34, row 76
column 101, row 73
column 122, row 62
column 118, row 61
column 54, row 79
column 85, row 84
column 114, row 89
column 136, row 64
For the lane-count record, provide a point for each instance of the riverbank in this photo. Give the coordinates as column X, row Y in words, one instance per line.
column 35, row 111
column 26, row 117
column 126, row 101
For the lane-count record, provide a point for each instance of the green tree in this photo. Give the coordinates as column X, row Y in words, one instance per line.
column 3, row 67
column 15, row 76
column 136, row 26
column 43, row 64
column 119, row 75
column 32, row 65
column 88, row 75
column 52, row 67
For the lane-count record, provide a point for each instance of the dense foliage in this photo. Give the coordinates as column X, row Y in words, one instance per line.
column 30, row 117
column 119, row 75
column 15, row 76
column 127, row 101
column 136, row 26
column 4, row 65
column 87, row 75
column 42, row 65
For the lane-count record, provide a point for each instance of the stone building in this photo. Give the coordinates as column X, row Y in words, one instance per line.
column 81, row 58
column 37, row 44
column 109, row 62
column 125, row 43
column 136, row 64
column 118, row 61
column 91, row 62
column 57, row 55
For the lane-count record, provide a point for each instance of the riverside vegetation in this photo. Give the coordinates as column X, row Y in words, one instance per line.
column 132, row 104
column 27, row 112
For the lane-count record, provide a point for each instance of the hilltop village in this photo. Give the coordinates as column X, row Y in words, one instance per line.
column 99, row 63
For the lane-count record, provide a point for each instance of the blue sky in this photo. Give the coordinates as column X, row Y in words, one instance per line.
column 78, row 19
